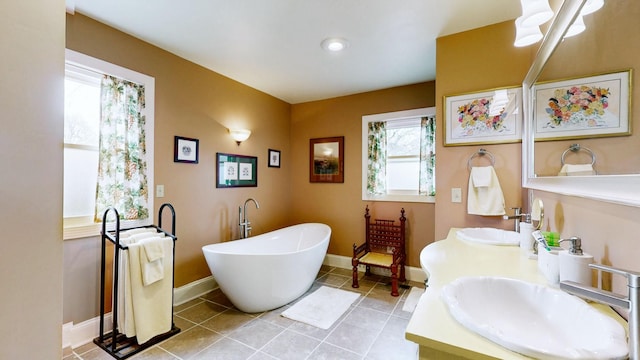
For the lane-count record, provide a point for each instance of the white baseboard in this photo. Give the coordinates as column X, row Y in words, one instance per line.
column 193, row 290
column 344, row 262
column 74, row 335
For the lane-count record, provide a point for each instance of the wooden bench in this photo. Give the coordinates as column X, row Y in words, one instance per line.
column 384, row 247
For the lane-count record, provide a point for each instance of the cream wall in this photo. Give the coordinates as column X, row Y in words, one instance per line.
column 31, row 99
column 467, row 62
column 194, row 102
column 341, row 205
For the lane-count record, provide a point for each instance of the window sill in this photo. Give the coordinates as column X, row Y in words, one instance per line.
column 94, row 230
column 400, row 198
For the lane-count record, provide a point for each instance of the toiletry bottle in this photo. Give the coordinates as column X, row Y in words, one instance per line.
column 526, row 239
column 574, row 263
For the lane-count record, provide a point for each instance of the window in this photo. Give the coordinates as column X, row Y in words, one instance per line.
column 91, row 143
column 398, row 156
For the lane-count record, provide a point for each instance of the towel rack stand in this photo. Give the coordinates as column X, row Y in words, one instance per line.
column 115, row 342
column 479, row 153
column 575, row 148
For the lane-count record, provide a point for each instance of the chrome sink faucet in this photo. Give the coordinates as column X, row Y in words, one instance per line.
column 631, row 302
column 518, row 216
column 243, row 222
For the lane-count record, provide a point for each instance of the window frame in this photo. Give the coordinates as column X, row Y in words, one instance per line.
column 396, row 115
column 71, row 229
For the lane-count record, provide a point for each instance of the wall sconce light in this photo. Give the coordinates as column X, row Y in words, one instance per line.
column 239, row 135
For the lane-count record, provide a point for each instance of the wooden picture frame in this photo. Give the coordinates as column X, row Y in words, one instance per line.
column 586, row 107
column 486, row 117
column 274, row 158
column 326, row 160
column 236, row 171
column 185, row 150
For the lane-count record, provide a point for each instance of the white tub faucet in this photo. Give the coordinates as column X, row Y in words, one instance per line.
column 631, row 302
column 244, row 224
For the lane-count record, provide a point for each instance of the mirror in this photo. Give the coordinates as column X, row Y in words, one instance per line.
column 608, row 47
column 537, row 214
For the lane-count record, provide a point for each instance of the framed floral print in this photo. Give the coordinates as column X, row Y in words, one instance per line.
column 485, row 117
column 593, row 106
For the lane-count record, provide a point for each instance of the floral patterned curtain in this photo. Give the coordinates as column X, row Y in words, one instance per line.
column 122, row 165
column 377, row 151
column 427, row 156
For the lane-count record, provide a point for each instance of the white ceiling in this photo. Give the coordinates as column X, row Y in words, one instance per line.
column 274, row 45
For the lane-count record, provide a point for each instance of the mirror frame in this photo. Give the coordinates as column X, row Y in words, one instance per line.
column 619, row 189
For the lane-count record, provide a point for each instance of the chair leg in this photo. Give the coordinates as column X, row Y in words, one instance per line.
column 354, row 282
column 367, row 270
column 394, row 280
column 402, row 274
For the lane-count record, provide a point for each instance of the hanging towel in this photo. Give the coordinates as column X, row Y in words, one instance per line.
column 481, row 176
column 128, row 233
column 152, row 260
column 576, row 170
column 485, row 200
column 151, row 305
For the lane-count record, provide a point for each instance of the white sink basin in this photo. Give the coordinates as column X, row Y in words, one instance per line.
column 490, row 236
column 534, row 320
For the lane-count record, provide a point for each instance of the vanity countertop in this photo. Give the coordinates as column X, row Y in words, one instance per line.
column 431, row 326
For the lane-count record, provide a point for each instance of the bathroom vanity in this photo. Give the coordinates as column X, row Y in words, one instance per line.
column 437, row 333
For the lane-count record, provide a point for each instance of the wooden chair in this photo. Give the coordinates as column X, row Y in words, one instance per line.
column 383, row 247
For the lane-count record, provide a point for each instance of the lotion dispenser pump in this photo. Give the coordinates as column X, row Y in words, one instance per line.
column 574, row 263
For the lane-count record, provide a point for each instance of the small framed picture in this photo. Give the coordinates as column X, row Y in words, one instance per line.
column 274, row 158
column 326, row 160
column 185, row 150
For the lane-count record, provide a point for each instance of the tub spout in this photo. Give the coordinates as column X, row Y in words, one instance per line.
column 245, row 225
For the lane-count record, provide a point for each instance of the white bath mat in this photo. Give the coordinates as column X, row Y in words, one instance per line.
column 412, row 299
column 322, row 307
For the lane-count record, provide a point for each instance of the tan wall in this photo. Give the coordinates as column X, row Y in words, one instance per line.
column 194, row 102
column 341, row 205
column 467, row 62
column 593, row 52
column 32, row 48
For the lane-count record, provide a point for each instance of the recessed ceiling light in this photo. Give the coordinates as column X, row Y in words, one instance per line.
column 334, row 44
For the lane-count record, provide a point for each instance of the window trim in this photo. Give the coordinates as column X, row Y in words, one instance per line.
column 76, row 59
column 396, row 115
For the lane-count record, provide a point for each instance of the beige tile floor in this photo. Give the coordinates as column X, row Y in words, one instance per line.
column 211, row 328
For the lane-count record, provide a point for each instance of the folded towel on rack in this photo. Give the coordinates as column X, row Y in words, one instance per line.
column 132, row 239
column 576, row 170
column 152, row 259
column 485, row 200
column 130, row 232
column 151, row 306
column 481, row 175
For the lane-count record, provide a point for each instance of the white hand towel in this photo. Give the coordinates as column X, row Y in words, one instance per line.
column 152, row 305
column 481, row 175
column 127, row 233
column 576, row 170
column 485, row 200
column 152, row 260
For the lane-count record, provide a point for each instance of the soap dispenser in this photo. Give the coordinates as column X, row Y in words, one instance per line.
column 574, row 263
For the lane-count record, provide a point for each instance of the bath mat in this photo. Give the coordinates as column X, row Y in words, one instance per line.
column 412, row 300
column 322, row 307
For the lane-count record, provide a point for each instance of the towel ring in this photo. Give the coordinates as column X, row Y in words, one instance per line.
column 481, row 152
column 575, row 148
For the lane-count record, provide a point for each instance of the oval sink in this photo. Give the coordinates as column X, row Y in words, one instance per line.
column 490, row 236
column 534, row 320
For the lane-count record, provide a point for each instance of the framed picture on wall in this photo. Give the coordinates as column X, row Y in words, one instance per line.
column 274, row 158
column 326, row 160
column 485, row 117
column 185, row 150
column 592, row 106
column 236, row 170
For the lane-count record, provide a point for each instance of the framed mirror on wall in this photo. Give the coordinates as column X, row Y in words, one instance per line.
column 597, row 65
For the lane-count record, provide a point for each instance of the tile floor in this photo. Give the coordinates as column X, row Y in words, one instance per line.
column 211, row 328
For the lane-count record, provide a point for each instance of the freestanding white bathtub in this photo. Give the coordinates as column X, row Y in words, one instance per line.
column 267, row 271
